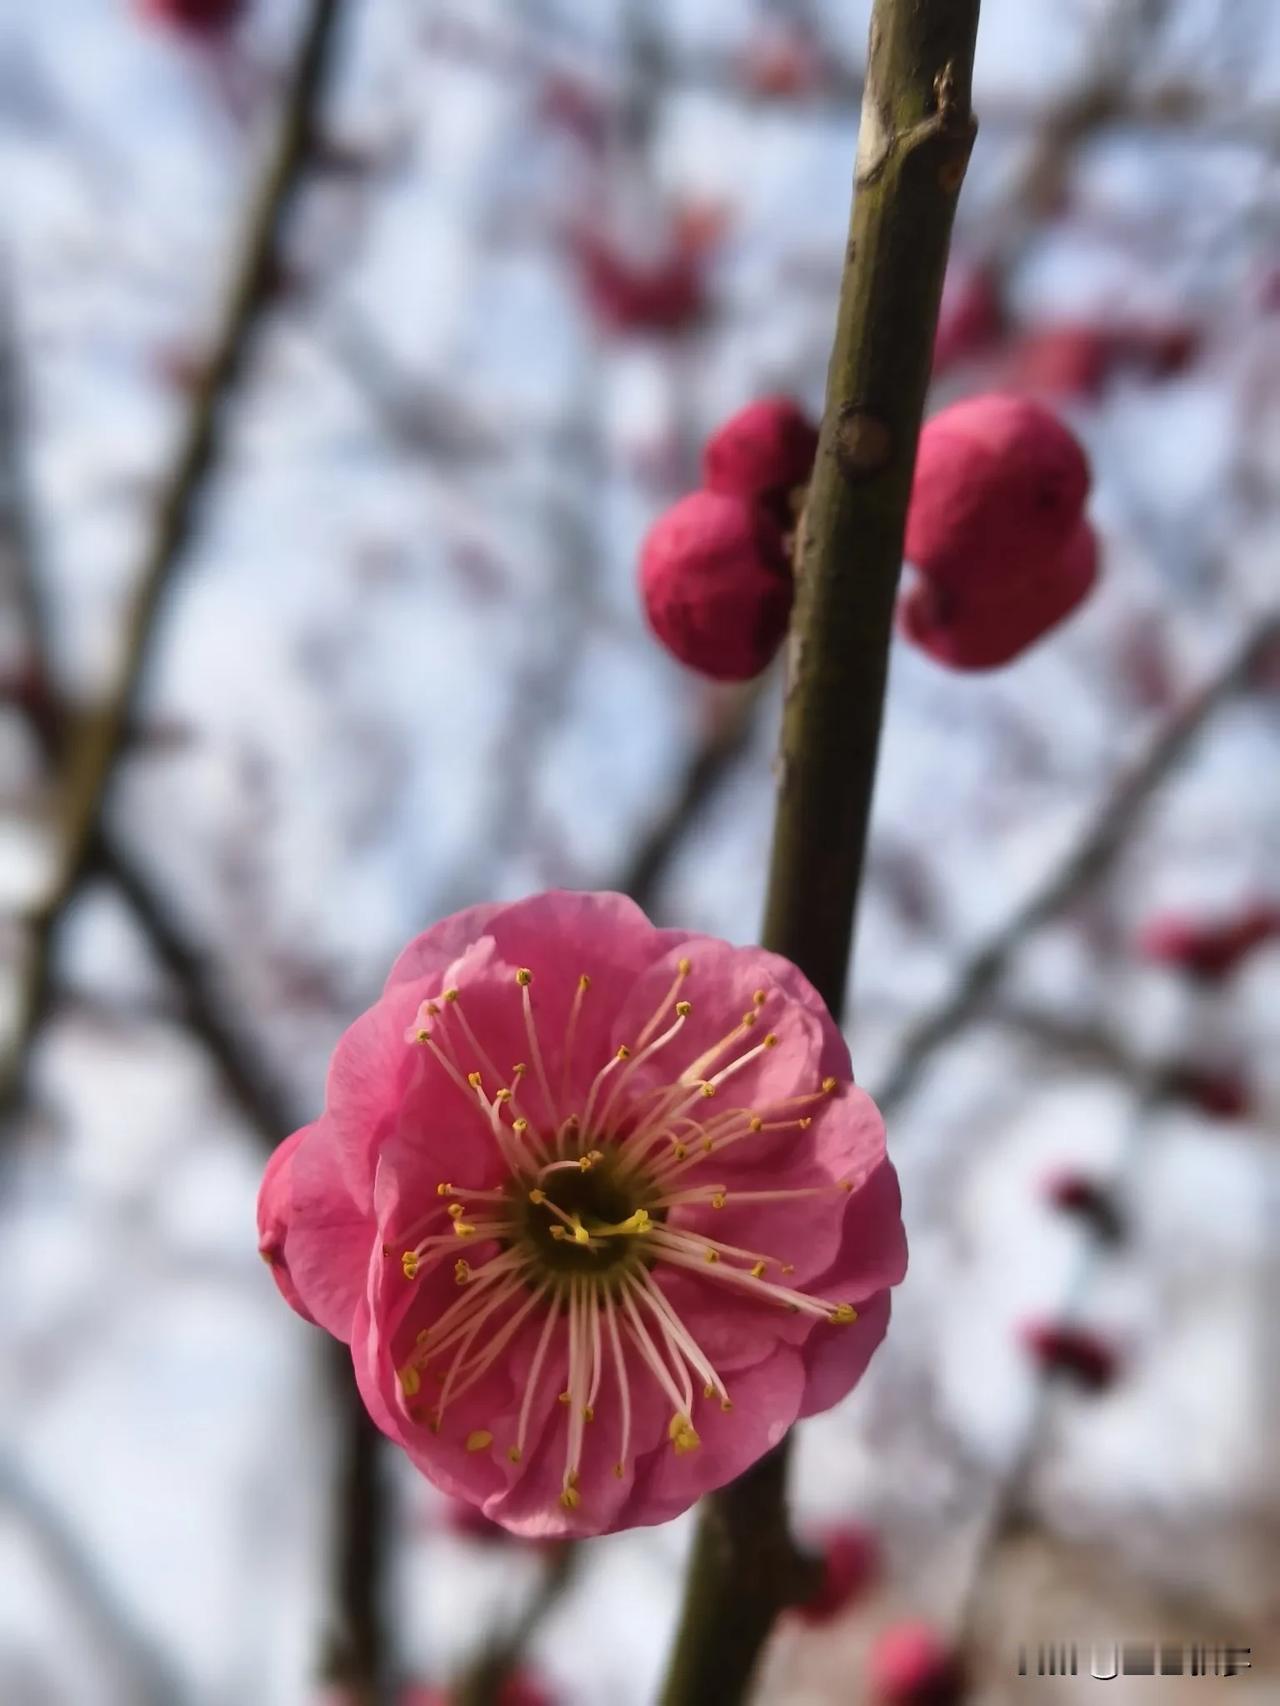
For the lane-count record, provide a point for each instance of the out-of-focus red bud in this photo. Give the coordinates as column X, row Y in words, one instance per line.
column 781, row 65
column 1062, row 361
column 627, row 294
column 850, row 1563
column 913, row 1664
column 205, row 16
column 1210, row 949
column 970, row 322
column 1224, row 1095
column 1083, row 1356
column 1089, row 1200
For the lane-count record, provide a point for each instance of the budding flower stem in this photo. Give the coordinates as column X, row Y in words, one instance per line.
column 917, row 131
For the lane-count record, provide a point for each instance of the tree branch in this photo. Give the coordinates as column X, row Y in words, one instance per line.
column 96, row 744
column 913, row 147
column 1087, row 861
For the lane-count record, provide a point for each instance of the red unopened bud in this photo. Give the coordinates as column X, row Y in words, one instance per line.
column 521, row 1689
column 970, row 320
column 850, row 1563
column 1063, row 361
column 1209, row 949
column 781, row 63
column 763, row 453
column 1089, row 1200
column 1082, row 1356
column 1000, row 483
column 985, row 624
column 912, row 1664
column 716, row 585
column 206, row 16
column 1224, row 1095
column 636, row 295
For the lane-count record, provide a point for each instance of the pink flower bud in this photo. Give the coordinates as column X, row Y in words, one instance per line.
column 911, row 1664
column 971, row 319
column 521, row 1689
column 1089, row 1200
column 716, row 585
column 1083, row 1356
column 1210, row 949
column 204, row 16
column 1223, row 1095
column 1000, row 483
column 850, row 1564
column 988, row 623
column 629, row 294
column 762, row 453
column 1063, row 361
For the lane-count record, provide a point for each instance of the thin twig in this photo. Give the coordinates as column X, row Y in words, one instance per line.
column 1093, row 854
column 99, row 740
column 917, row 131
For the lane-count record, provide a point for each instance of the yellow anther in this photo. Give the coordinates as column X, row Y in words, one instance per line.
column 409, row 1264
column 520, row 1125
column 559, row 1234
column 755, row 1123
column 806, row 1122
column 564, row 1397
column 451, row 995
column 788, row 1267
column 770, row 1041
column 585, row 1163
column 422, row 1036
column 758, row 1271
column 537, row 1196
column 432, row 1009
column 707, row 1146
column 679, row 1151
column 708, row 1089
column 584, row 983
column 596, row 1154
column 843, row 1314
column 479, row 1440
column 708, row 1391
column 830, row 1084
column 759, row 997
column 726, row 1403
column 269, row 1257
column 845, row 1184
column 588, row 1414
column 424, row 1333
column 514, row 1453
column 524, row 977
column 624, row 1053
column 683, row 1435
column 455, row 1211
column 410, row 1380
column 463, row 1229
column 475, row 1080
column 519, row 1069
column 444, row 1190
column 683, row 1009
column 619, row 1470
column 502, row 1096
column 718, row 1200
column 571, row 1498
column 684, row 967
column 749, row 1019
column 713, row 1255
column 461, row 1271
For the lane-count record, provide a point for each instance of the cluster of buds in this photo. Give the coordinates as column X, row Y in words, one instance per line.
column 996, row 531
column 1210, row 950
column 715, row 570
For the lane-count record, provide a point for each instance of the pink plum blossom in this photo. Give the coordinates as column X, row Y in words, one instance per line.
column 597, row 1207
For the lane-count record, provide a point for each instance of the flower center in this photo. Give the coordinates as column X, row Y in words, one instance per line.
column 587, row 1216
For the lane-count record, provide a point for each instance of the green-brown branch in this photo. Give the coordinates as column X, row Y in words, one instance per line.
column 916, row 134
